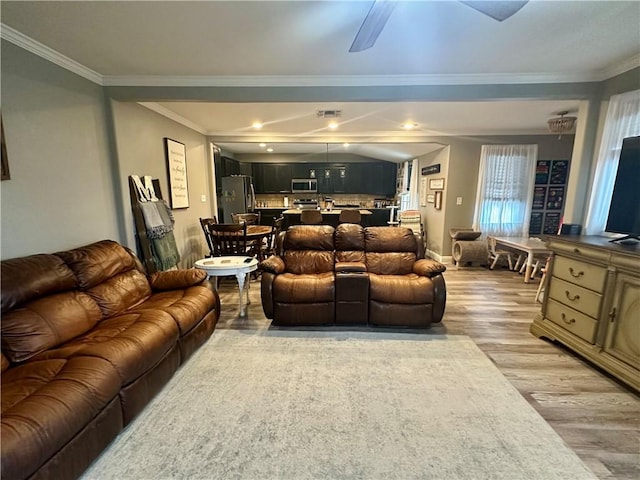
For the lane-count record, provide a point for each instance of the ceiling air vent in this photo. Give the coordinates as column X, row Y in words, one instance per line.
column 328, row 113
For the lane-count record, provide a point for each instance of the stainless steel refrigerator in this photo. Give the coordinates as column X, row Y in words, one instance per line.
column 238, row 196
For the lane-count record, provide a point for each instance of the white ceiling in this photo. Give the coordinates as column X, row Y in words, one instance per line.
column 241, row 43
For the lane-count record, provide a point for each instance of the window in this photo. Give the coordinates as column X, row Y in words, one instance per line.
column 622, row 121
column 505, row 189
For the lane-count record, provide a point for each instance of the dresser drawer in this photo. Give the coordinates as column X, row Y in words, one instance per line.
column 577, row 323
column 586, row 252
column 578, row 298
column 579, row 273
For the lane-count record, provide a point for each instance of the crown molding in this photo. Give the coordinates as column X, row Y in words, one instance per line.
column 17, row 38
column 173, row 116
column 21, row 40
column 621, row 67
column 340, row 80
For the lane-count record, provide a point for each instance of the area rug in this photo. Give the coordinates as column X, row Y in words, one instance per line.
column 338, row 405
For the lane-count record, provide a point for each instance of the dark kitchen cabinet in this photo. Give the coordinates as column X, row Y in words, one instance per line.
column 331, row 178
column 225, row 166
column 272, row 177
column 303, row 170
column 373, row 178
column 380, row 178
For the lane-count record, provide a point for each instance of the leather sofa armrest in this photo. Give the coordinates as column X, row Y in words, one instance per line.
column 350, row 267
column 428, row 268
column 176, row 279
column 273, row 264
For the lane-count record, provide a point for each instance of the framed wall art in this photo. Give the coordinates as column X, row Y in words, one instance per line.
column 436, row 184
column 177, row 173
column 438, row 200
column 4, row 160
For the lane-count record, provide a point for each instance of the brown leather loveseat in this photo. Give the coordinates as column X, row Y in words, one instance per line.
column 87, row 340
column 352, row 275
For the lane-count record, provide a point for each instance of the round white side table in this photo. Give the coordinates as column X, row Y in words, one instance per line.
column 231, row 265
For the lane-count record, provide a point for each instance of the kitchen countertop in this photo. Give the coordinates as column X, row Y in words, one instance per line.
column 335, row 211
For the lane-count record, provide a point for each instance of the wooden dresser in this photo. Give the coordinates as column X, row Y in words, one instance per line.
column 592, row 303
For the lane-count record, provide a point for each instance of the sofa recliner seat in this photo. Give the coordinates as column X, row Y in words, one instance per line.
column 87, row 340
column 378, row 277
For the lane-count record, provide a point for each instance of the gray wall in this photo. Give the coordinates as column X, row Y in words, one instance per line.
column 140, row 134
column 61, row 193
column 69, row 162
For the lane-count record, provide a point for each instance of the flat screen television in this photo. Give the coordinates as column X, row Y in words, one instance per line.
column 624, row 212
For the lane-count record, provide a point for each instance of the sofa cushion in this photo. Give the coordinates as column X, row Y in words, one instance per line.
column 46, row 323
column 29, row 278
column 309, row 237
column 45, row 404
column 349, row 236
column 97, row 262
column 107, row 272
column 288, row 288
column 121, row 292
column 187, row 306
column 407, row 289
column 132, row 342
column 176, row 279
column 301, row 262
column 389, row 239
column 391, row 263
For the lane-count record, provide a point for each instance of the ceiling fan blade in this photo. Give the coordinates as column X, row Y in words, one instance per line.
column 373, row 24
column 496, row 9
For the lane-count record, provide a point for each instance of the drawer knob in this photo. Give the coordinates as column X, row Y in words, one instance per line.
column 568, row 321
column 574, row 298
column 574, row 274
column 576, row 250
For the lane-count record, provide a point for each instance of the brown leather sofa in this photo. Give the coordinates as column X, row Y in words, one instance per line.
column 88, row 339
column 352, row 275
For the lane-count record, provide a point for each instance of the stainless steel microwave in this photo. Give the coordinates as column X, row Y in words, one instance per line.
column 302, row 185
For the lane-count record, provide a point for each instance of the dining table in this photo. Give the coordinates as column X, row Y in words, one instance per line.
column 531, row 246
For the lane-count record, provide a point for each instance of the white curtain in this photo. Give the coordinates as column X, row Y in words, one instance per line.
column 623, row 120
column 505, row 189
column 414, row 187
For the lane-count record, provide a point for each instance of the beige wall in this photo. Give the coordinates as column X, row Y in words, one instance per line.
column 139, row 135
column 459, row 165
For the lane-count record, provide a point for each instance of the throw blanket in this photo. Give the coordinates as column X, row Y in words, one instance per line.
column 165, row 251
column 157, row 219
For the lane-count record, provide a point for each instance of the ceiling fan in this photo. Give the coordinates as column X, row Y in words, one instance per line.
column 381, row 11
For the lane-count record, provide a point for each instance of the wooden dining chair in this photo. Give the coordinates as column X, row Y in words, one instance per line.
column 204, row 223
column 228, row 238
column 248, row 218
column 269, row 246
column 350, row 216
column 311, row 217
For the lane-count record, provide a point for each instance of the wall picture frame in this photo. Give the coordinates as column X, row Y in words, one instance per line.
column 4, row 161
column 438, row 200
column 431, row 198
column 176, row 155
column 436, row 184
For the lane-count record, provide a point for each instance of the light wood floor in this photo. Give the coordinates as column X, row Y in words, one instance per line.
column 596, row 416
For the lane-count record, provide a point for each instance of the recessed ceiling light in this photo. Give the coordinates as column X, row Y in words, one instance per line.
column 269, row 149
column 257, row 125
column 263, row 145
column 409, row 125
column 345, row 145
column 333, row 125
